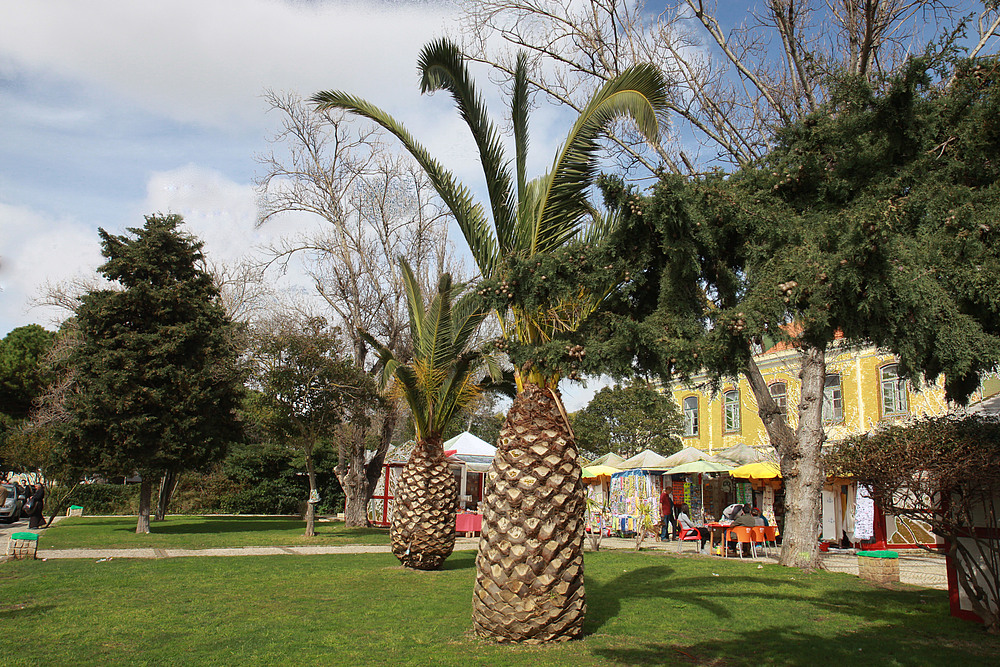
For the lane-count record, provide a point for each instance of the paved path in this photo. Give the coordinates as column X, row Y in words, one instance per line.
column 915, row 567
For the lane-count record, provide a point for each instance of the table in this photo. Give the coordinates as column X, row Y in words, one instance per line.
column 467, row 522
column 718, row 529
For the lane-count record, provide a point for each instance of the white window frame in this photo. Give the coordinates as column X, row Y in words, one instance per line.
column 892, row 391
column 731, row 411
column 690, row 416
column 833, row 400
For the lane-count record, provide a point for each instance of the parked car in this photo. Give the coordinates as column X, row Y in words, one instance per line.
column 11, row 510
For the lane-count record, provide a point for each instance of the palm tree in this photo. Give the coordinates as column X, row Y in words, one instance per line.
column 437, row 383
column 529, row 569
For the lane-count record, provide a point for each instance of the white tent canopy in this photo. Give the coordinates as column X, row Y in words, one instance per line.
column 467, row 444
column 740, row 454
column 687, row 455
column 609, row 459
column 646, row 460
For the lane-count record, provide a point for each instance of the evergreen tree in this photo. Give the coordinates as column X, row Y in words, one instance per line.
column 157, row 382
column 874, row 219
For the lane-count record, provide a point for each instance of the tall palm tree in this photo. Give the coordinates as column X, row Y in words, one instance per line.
column 437, row 383
column 529, row 569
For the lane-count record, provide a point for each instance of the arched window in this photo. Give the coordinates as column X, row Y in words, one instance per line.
column 691, row 416
column 893, row 391
column 780, row 395
column 833, row 400
column 731, row 410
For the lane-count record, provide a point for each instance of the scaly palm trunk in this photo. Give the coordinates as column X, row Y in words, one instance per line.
column 422, row 533
column 529, row 569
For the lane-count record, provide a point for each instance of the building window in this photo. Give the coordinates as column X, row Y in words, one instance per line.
column 731, row 410
column 893, row 391
column 691, row 416
column 833, row 400
column 780, row 395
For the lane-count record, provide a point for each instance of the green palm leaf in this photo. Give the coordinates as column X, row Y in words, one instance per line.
column 414, row 300
column 442, row 68
column 638, row 93
column 469, row 215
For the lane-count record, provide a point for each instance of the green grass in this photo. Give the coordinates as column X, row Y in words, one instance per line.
column 644, row 608
column 201, row 532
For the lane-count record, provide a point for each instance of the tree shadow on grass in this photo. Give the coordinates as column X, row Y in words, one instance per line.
column 460, row 560
column 251, row 524
column 846, row 625
column 11, row 612
column 661, row 581
column 888, row 643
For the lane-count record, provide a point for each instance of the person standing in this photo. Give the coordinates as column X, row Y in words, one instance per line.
column 667, row 518
column 37, row 506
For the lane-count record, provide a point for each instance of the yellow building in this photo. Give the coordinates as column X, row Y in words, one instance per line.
column 862, row 390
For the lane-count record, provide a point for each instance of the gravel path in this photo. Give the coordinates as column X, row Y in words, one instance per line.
column 918, row 568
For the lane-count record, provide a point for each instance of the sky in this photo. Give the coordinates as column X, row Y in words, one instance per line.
column 112, row 110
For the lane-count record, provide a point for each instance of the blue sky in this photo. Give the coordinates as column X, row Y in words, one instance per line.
column 111, row 110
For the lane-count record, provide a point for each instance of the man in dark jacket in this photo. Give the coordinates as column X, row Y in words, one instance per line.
column 37, row 501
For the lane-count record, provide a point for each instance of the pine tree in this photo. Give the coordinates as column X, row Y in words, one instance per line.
column 157, row 382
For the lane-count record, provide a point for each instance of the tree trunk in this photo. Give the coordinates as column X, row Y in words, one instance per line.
column 529, row 569
column 167, row 485
column 358, row 479
column 799, row 453
column 313, row 491
column 145, row 495
column 422, row 532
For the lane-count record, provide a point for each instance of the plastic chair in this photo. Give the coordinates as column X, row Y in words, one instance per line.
column 771, row 535
column 688, row 535
column 758, row 536
column 742, row 535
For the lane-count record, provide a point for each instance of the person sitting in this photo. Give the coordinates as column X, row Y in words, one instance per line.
column 759, row 519
column 746, row 519
column 730, row 513
column 684, row 521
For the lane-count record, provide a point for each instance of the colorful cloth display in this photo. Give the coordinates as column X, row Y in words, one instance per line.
column 629, row 490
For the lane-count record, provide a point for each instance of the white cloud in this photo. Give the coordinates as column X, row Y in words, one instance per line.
column 38, row 249
column 207, row 62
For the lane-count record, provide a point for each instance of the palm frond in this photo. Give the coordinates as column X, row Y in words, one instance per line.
column 601, row 226
column 416, row 399
column 414, row 299
column 519, row 119
column 457, row 390
column 435, row 346
column 385, row 366
column 468, row 214
column 466, row 316
column 442, row 67
column 637, row 93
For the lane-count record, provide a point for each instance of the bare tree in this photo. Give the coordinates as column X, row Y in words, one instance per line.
column 375, row 207
column 734, row 79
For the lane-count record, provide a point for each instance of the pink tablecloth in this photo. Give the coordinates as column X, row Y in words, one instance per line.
column 468, row 523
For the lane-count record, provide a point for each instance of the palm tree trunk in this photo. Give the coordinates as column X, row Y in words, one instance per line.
column 529, row 569
column 422, row 532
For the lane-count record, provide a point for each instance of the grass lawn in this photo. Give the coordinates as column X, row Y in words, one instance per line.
column 201, row 532
column 644, row 608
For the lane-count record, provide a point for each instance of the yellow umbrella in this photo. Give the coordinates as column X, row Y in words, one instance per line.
column 591, row 472
column 759, row 470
